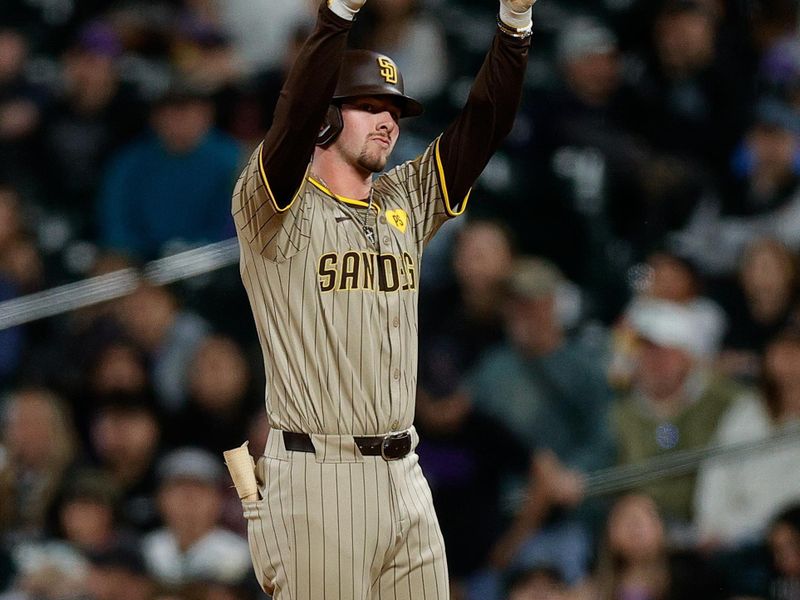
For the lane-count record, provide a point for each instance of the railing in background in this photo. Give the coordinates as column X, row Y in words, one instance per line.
column 682, row 462
column 116, row 284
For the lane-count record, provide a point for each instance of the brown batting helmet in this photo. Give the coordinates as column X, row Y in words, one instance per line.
column 366, row 73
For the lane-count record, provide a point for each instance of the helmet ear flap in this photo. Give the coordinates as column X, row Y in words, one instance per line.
column 332, row 126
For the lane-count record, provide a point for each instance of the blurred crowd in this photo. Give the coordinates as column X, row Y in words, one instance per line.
column 624, row 288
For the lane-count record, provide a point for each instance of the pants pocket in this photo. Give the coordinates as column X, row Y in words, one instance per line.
column 259, row 548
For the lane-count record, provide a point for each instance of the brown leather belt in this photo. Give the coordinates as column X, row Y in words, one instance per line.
column 390, row 447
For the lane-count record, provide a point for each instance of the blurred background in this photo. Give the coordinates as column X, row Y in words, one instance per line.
column 620, row 302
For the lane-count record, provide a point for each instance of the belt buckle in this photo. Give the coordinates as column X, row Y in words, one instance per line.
column 395, row 437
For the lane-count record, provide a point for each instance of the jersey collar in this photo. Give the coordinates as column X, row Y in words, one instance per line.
column 351, row 201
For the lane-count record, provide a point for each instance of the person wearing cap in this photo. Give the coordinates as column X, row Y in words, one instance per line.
column 549, row 389
column 676, row 401
column 93, row 115
column 761, row 198
column 587, row 158
column 767, row 167
column 330, row 258
column 588, row 55
column 192, row 546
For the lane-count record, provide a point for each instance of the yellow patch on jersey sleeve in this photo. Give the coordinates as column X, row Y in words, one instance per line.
column 398, row 219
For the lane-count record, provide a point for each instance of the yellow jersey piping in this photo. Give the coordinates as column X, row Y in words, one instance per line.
column 266, row 184
column 352, row 201
column 448, row 207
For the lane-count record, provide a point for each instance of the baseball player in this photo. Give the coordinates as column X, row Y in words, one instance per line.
column 330, row 258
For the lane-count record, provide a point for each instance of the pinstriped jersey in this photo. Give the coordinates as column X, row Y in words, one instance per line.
column 332, row 282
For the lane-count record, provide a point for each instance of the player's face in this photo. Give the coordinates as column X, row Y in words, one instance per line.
column 371, row 128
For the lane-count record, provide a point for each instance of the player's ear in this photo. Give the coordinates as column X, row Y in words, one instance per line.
column 332, row 126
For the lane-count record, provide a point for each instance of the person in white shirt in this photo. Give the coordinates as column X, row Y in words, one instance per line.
column 192, row 547
column 736, row 499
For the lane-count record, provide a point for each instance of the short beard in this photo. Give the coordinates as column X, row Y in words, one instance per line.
column 370, row 162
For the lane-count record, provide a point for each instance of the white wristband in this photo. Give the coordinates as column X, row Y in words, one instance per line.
column 346, row 9
column 515, row 20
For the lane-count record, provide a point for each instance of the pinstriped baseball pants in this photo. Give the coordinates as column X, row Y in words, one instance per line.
column 336, row 525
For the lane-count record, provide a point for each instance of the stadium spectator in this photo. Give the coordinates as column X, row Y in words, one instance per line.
column 675, row 402
column 593, row 159
column 666, row 277
column 92, row 115
column 761, row 197
column 125, row 437
column 220, row 400
column 191, row 547
column 736, row 499
column 550, row 390
column 75, row 346
column 119, row 367
column 172, row 186
column 547, row 387
column 759, row 307
column 203, row 55
column 693, row 98
column 86, row 511
column 635, row 560
column 766, row 179
column 169, row 336
column 38, row 446
column 470, row 308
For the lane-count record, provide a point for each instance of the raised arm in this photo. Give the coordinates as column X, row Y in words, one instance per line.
column 469, row 142
column 304, row 100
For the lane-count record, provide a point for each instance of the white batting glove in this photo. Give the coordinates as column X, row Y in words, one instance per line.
column 517, row 14
column 346, row 9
